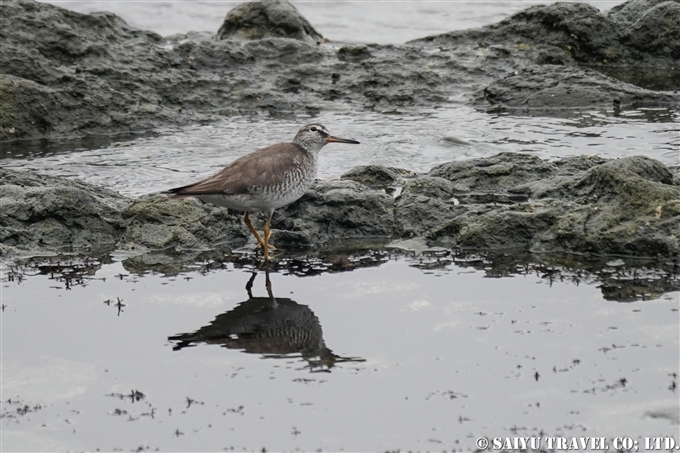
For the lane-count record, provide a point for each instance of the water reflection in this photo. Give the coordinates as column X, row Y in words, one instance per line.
column 621, row 279
column 42, row 148
column 276, row 327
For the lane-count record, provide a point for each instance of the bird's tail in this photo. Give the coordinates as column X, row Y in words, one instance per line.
column 176, row 193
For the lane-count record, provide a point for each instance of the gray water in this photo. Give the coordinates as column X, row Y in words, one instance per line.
column 415, row 141
column 382, row 22
column 429, row 356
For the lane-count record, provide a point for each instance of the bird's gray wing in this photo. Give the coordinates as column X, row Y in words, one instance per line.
column 266, row 166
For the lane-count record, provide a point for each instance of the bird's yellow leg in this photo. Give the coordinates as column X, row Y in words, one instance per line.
column 271, row 247
column 246, row 220
column 267, row 234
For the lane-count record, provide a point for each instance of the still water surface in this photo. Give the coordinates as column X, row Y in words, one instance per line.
column 427, row 358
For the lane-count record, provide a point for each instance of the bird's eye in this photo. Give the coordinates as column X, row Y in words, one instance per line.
column 313, row 129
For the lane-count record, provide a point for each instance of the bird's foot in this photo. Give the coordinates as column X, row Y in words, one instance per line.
column 268, row 259
column 271, row 255
column 261, row 246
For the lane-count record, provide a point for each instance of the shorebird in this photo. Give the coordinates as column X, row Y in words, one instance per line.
column 266, row 179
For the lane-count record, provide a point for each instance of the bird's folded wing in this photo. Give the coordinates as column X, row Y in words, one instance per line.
column 264, row 167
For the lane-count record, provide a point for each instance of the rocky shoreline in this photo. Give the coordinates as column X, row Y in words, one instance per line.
column 67, row 74
column 586, row 204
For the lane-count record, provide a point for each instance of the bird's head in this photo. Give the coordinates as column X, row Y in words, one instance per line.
column 314, row 136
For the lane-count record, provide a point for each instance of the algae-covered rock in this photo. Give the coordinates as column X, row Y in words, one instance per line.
column 493, row 174
column 632, row 205
column 628, row 206
column 51, row 213
column 339, row 210
column 71, row 74
column 657, row 31
column 354, row 53
column 65, row 72
column 622, row 206
column 566, row 33
column 28, row 108
column 377, row 176
column 536, row 89
column 631, row 11
column 155, row 222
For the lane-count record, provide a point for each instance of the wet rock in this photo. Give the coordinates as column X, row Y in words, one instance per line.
column 493, row 174
column 576, row 33
column 267, row 19
column 66, row 73
column 631, row 11
column 425, row 202
column 657, row 31
column 676, row 174
column 581, row 30
column 429, row 186
column 353, row 53
column 539, row 88
column 627, row 206
column 291, row 240
column 28, row 108
column 50, row 213
column 623, row 206
column 619, row 177
column 575, row 164
column 339, row 210
column 297, row 55
column 577, row 28
column 157, row 223
column 633, row 207
column 490, row 226
column 377, row 176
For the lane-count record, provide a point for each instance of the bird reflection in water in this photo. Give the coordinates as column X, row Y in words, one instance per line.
column 275, row 327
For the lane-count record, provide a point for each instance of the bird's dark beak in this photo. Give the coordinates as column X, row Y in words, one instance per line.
column 331, row 139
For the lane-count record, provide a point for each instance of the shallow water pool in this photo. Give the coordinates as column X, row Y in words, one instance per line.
column 416, row 353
